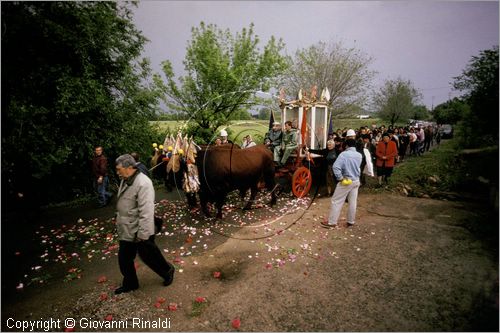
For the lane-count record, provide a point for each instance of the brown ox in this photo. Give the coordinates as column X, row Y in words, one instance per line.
column 223, row 170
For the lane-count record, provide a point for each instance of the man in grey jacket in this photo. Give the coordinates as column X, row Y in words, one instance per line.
column 135, row 225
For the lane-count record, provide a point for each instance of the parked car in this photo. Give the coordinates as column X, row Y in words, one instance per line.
column 447, row 131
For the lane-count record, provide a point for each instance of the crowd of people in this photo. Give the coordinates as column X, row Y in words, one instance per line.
column 386, row 146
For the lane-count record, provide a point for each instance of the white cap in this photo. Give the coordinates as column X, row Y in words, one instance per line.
column 350, row 133
column 223, row 133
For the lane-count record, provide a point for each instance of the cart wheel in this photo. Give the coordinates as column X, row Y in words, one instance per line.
column 301, row 182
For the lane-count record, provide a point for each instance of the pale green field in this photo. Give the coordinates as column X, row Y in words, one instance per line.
column 258, row 128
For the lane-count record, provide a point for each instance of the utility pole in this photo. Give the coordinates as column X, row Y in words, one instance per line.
column 432, row 106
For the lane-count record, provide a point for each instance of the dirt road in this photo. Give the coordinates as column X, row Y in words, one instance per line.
column 408, row 264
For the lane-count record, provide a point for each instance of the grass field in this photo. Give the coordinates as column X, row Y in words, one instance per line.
column 258, row 128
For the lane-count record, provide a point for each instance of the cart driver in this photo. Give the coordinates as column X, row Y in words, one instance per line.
column 273, row 137
column 288, row 144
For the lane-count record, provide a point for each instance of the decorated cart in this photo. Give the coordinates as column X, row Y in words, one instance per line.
column 309, row 117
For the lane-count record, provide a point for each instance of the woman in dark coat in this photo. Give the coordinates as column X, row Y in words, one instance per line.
column 329, row 156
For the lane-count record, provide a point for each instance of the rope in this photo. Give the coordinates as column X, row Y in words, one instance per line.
column 277, row 232
column 157, row 165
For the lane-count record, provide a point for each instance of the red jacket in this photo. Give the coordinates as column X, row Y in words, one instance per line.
column 389, row 150
column 99, row 166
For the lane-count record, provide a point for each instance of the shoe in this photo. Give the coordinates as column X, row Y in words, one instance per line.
column 349, row 225
column 325, row 224
column 168, row 281
column 122, row 290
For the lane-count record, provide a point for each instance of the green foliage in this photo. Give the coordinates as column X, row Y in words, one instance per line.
column 451, row 111
column 343, row 70
column 222, row 73
column 74, row 80
column 479, row 81
column 396, row 100
column 445, row 169
column 420, row 112
column 439, row 163
column 241, row 114
column 264, row 113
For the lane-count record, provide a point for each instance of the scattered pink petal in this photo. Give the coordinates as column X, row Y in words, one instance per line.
column 161, row 300
column 217, row 275
column 157, row 305
column 172, row 307
column 200, row 299
column 102, row 279
column 20, row 286
column 109, row 318
column 103, row 297
column 269, row 265
column 178, row 260
column 236, row 323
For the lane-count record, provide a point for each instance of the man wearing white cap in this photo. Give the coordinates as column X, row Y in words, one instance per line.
column 351, row 134
column 347, row 171
column 223, row 135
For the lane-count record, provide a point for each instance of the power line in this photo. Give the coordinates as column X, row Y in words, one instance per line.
column 436, row 88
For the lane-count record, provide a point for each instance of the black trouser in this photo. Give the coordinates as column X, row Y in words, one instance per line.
column 362, row 176
column 427, row 144
column 150, row 255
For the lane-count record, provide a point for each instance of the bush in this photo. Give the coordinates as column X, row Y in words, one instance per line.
column 447, row 169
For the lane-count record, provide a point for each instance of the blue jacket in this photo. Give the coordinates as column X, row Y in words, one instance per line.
column 348, row 165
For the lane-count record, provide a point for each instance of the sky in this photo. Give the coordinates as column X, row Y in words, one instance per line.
column 426, row 42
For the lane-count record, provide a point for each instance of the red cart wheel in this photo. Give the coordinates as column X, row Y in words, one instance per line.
column 301, row 182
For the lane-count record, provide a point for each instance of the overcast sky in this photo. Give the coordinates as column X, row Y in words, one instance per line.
column 427, row 42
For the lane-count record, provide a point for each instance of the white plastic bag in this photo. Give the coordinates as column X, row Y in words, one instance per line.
column 369, row 165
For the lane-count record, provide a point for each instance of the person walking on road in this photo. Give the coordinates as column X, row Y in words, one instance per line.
column 386, row 156
column 347, row 170
column 135, row 226
column 101, row 180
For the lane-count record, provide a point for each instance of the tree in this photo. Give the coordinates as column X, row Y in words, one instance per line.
column 396, row 100
column 241, row 114
column 479, row 82
column 451, row 111
column 71, row 79
column 222, row 73
column 344, row 71
column 264, row 113
column 419, row 112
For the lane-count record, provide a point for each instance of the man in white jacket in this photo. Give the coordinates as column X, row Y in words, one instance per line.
column 135, row 226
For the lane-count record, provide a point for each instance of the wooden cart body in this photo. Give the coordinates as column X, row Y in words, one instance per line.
column 310, row 118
